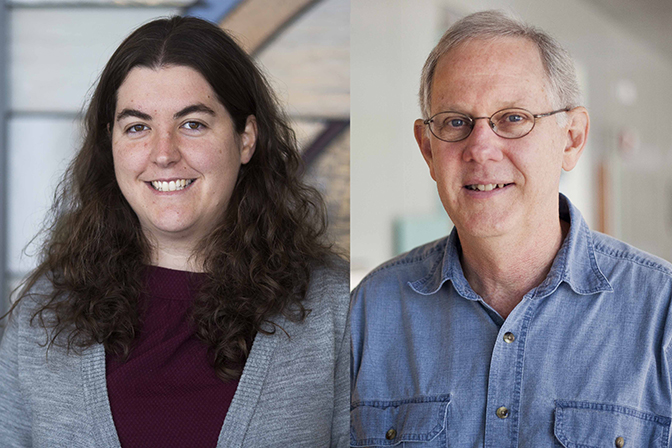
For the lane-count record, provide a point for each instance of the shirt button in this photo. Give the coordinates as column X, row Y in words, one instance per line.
column 509, row 337
column 502, row 412
column 620, row 442
column 390, row 434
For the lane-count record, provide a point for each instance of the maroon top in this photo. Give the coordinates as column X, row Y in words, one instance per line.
column 167, row 394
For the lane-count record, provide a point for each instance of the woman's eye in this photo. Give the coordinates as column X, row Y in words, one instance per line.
column 193, row 125
column 136, row 128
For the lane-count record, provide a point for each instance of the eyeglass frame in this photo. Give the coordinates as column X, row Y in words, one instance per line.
column 430, row 120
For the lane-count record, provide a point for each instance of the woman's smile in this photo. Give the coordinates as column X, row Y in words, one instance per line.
column 171, row 185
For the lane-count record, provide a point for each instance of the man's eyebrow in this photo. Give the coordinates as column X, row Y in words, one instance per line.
column 194, row 108
column 133, row 113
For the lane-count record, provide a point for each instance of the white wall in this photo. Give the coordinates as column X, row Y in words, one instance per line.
column 389, row 42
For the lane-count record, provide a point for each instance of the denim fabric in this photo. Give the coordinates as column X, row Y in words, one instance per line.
column 585, row 361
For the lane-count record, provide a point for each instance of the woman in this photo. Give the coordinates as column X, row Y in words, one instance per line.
column 184, row 296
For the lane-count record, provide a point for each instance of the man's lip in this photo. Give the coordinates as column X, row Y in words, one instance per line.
column 486, row 182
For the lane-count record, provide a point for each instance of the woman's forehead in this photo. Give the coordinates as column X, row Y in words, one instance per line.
column 166, row 89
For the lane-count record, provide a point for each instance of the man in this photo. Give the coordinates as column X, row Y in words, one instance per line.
column 523, row 327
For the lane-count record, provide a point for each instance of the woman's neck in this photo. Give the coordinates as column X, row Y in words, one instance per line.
column 175, row 256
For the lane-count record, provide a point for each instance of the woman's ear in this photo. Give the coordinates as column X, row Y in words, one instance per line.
column 248, row 140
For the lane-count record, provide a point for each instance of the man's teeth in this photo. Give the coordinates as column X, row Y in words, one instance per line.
column 484, row 187
column 173, row 185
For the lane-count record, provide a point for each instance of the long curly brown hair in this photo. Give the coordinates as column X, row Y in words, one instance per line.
column 257, row 259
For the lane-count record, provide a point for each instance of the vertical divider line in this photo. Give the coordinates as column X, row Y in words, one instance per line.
column 4, row 202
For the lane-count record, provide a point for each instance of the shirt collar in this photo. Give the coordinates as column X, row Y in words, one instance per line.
column 574, row 264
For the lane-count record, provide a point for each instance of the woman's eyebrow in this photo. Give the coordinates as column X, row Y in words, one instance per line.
column 133, row 113
column 194, row 108
column 186, row 111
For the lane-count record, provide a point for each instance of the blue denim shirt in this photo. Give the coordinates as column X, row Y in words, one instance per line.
column 582, row 361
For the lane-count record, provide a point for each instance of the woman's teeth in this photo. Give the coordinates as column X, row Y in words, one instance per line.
column 173, row 185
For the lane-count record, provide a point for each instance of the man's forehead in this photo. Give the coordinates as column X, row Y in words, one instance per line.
column 510, row 67
column 492, row 53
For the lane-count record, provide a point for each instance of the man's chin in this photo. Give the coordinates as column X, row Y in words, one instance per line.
column 485, row 226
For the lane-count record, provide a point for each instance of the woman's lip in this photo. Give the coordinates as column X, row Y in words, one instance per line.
column 168, row 179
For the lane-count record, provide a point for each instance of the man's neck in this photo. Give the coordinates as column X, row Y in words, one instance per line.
column 502, row 270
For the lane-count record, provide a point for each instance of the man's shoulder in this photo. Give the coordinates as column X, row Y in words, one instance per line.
column 613, row 252
column 407, row 267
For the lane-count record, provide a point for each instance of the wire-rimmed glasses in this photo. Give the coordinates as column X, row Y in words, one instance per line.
column 451, row 126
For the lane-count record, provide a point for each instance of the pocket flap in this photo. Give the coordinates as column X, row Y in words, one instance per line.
column 388, row 423
column 583, row 424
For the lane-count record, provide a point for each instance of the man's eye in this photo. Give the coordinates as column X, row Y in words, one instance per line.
column 514, row 118
column 453, row 123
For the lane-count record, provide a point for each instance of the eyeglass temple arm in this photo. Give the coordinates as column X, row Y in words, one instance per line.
column 566, row 109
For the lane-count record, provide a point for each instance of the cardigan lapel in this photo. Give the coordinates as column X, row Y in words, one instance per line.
column 103, row 431
column 247, row 394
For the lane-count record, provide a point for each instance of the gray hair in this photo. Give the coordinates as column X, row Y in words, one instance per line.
column 557, row 62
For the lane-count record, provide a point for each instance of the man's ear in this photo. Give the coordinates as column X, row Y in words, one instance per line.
column 248, row 140
column 424, row 143
column 577, row 135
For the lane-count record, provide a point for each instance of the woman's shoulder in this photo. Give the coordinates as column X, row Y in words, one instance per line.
column 329, row 285
column 330, row 275
column 24, row 323
column 31, row 312
column 33, row 295
column 328, row 297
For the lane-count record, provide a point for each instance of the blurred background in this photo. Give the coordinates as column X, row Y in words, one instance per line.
column 52, row 52
column 623, row 54
column 315, row 52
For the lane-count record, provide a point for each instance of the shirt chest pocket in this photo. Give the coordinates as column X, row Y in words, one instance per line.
column 582, row 424
column 421, row 420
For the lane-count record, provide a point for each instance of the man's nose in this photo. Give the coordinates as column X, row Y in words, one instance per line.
column 166, row 150
column 482, row 144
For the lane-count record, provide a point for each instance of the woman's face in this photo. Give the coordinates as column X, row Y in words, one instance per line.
column 176, row 153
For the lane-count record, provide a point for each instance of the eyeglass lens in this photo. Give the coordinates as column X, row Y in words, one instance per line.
column 507, row 123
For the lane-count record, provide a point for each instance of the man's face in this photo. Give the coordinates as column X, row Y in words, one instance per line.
column 479, row 78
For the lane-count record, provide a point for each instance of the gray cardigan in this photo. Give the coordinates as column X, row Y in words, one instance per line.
column 294, row 391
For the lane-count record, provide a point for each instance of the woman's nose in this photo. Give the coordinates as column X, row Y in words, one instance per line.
column 166, row 151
